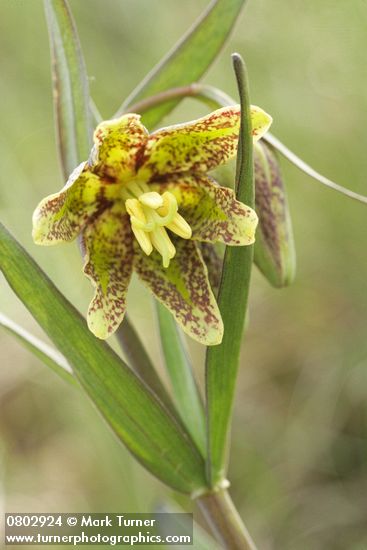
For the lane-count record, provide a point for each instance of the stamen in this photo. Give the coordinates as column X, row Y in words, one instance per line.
column 134, row 208
column 137, row 216
column 152, row 199
column 150, row 214
column 163, row 244
column 143, row 239
column 180, row 226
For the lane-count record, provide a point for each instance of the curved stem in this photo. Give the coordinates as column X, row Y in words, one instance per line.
column 224, row 521
column 215, row 98
column 307, row 169
column 209, row 95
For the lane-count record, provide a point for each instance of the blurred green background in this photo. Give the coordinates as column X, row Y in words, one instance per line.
column 299, row 451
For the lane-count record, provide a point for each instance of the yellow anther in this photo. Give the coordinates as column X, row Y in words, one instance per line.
column 137, row 216
column 180, row 226
column 163, row 244
column 134, row 208
column 143, row 239
column 152, row 199
column 150, row 213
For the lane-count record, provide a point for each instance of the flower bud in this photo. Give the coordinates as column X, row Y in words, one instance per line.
column 274, row 247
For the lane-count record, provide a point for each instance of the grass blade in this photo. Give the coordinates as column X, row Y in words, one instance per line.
column 70, row 85
column 179, row 368
column 131, row 409
column 222, row 361
column 189, row 59
column 51, row 357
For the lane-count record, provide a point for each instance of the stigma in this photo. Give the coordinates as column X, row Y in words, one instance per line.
column 151, row 214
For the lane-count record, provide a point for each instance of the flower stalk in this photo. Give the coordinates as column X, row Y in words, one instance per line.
column 224, row 521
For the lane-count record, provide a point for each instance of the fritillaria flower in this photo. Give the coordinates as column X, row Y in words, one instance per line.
column 275, row 254
column 143, row 202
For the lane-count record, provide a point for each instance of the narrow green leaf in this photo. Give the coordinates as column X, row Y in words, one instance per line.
column 95, row 115
column 51, row 357
column 222, row 361
column 131, row 409
column 189, row 59
column 179, row 368
column 139, row 360
column 70, row 86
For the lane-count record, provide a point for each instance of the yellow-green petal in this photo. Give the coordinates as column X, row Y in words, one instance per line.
column 61, row 216
column 108, row 250
column 184, row 289
column 200, row 145
column 117, row 144
column 212, row 212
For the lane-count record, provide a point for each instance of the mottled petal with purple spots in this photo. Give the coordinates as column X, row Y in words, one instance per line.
column 212, row 212
column 117, row 146
column 200, row 145
column 61, row 216
column 108, row 251
column 184, row 289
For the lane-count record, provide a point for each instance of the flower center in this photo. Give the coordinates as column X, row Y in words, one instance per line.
column 150, row 214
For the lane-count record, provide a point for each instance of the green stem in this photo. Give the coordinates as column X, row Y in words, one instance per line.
column 139, row 360
column 224, row 521
column 209, row 95
column 307, row 169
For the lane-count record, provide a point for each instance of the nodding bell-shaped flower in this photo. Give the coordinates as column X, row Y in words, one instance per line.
column 275, row 254
column 143, row 201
